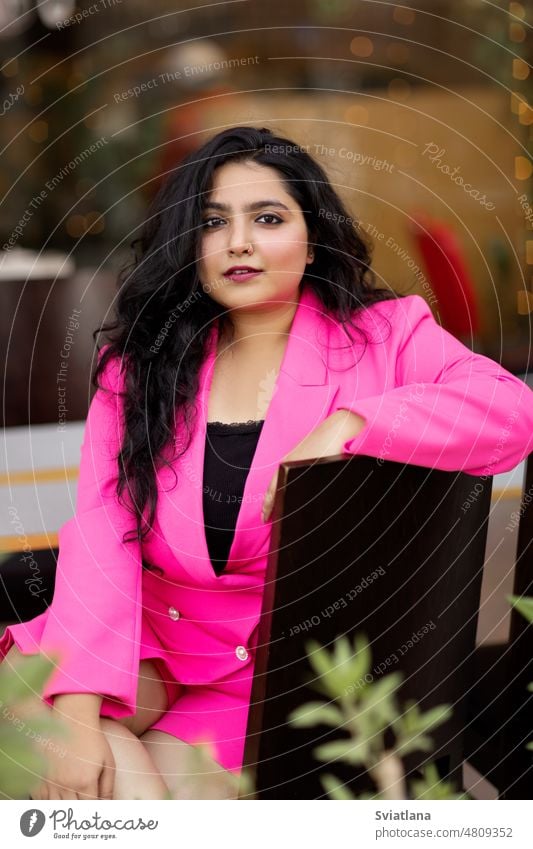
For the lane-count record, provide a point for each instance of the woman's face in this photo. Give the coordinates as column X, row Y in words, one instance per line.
column 250, row 221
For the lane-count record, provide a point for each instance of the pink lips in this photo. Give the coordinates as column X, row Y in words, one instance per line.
column 241, row 272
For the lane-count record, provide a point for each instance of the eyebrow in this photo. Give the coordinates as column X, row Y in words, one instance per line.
column 250, row 207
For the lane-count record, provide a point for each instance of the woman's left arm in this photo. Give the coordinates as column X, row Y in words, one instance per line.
column 451, row 409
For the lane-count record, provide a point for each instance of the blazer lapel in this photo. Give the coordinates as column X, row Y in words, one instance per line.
column 302, row 398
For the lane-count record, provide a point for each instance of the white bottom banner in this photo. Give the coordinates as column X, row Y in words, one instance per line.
column 309, row 823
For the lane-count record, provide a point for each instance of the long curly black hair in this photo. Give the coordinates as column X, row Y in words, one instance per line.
column 160, row 288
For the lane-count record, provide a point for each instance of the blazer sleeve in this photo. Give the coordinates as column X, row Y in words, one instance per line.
column 451, row 409
column 93, row 624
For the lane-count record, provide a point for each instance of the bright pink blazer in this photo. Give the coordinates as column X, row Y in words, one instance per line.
column 426, row 399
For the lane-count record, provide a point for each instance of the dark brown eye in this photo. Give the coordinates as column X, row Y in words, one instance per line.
column 274, row 218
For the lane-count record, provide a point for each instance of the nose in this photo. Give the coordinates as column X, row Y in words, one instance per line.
column 239, row 240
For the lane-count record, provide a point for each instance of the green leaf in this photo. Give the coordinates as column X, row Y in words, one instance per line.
column 22, row 759
column 318, row 657
column 523, row 604
column 361, row 663
column 431, row 786
column 12, row 720
column 378, row 698
column 20, row 769
column 26, row 680
column 434, row 717
column 333, row 749
column 353, row 752
column 413, row 721
column 314, row 713
column 342, row 650
column 341, row 669
column 31, row 730
column 410, row 728
column 247, row 783
column 414, row 743
column 335, row 790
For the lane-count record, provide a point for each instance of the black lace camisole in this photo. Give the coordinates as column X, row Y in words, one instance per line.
column 229, row 452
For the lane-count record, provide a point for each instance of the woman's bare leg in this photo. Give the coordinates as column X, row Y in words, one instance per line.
column 136, row 775
column 187, row 772
column 152, row 699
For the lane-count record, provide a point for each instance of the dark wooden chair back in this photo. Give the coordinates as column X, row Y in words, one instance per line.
column 390, row 550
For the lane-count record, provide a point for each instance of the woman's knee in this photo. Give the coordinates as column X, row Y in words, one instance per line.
column 188, row 771
column 136, row 774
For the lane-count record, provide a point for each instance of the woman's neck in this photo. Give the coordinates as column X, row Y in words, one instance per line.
column 257, row 329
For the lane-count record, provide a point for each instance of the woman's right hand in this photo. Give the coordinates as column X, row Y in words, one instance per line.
column 80, row 765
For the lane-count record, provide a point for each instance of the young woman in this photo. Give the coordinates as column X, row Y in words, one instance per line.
column 249, row 330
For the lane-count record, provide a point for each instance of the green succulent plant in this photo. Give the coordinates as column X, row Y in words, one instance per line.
column 21, row 760
column 367, row 711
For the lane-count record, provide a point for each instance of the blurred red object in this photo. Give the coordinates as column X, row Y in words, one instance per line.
column 448, row 275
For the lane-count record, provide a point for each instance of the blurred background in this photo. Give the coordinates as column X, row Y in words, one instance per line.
column 421, row 118
column 420, row 113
